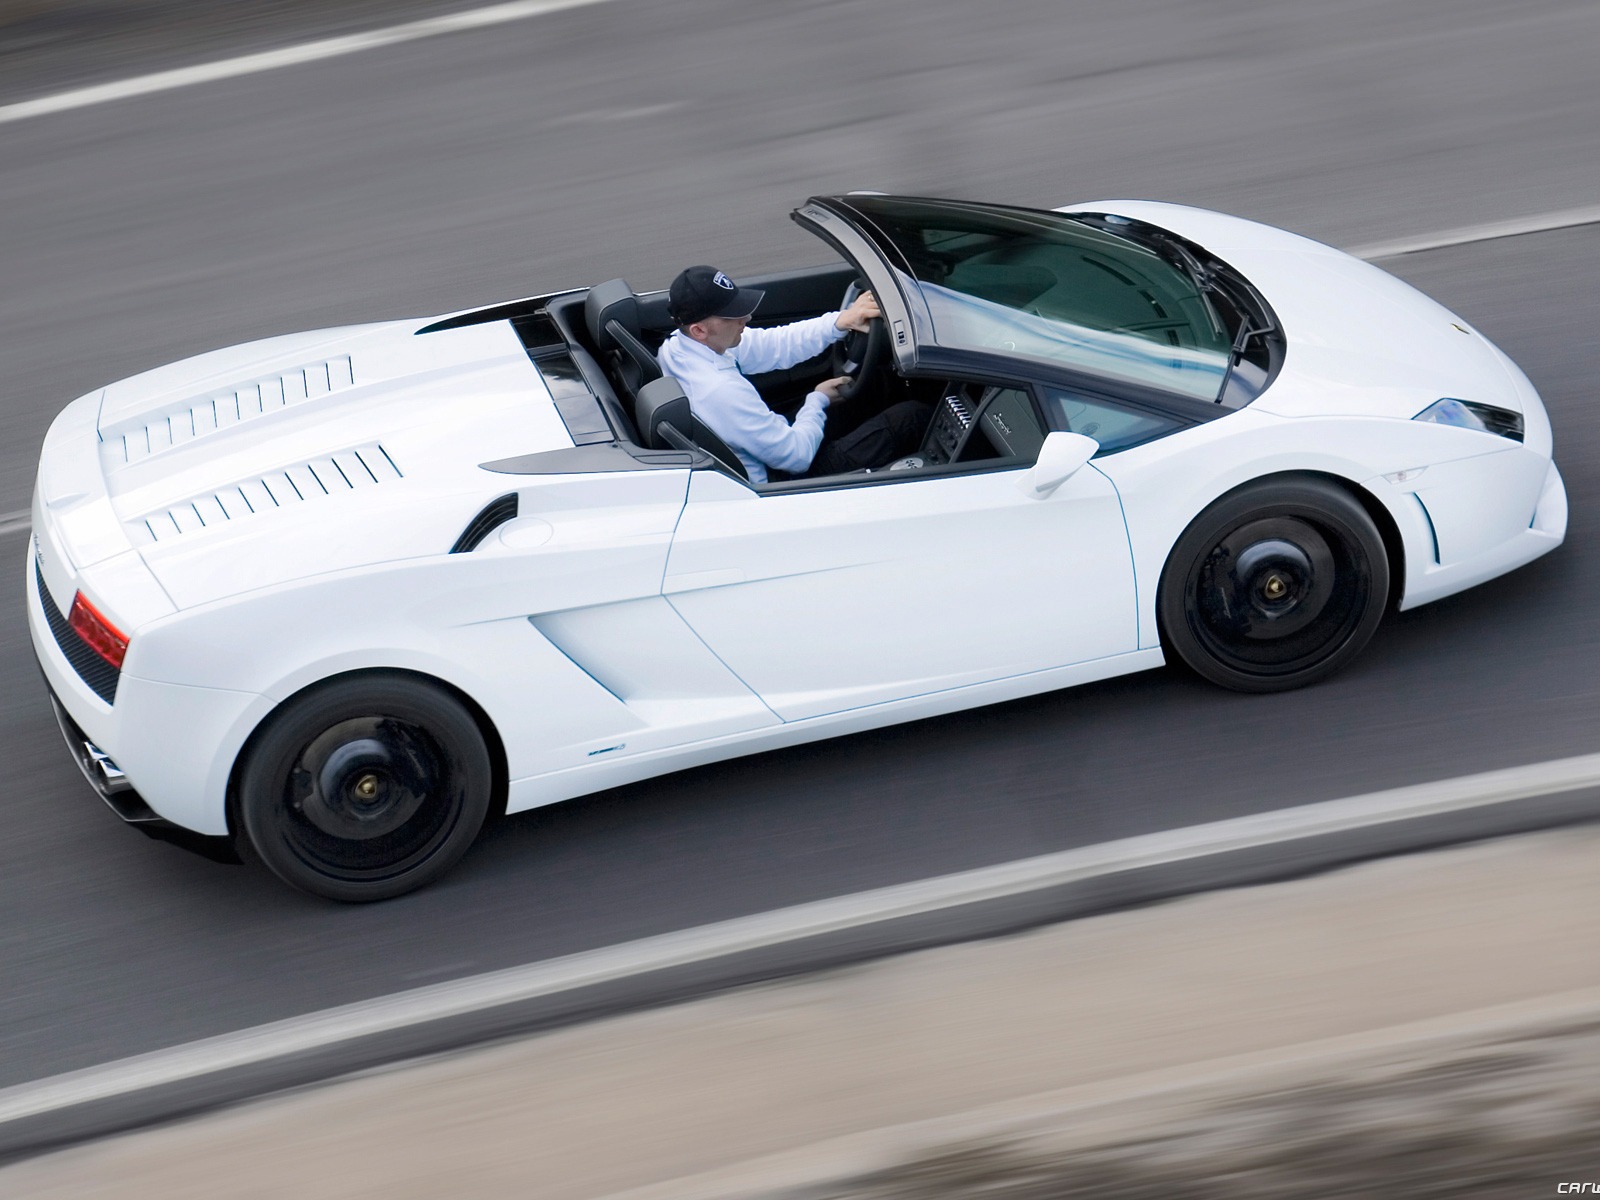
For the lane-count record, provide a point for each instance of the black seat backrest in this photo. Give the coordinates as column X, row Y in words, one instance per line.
column 611, row 312
column 662, row 403
column 630, row 348
column 611, row 300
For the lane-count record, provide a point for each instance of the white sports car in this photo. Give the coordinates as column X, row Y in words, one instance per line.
column 340, row 595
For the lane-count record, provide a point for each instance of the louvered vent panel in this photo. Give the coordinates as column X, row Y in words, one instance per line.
column 224, row 409
column 335, row 475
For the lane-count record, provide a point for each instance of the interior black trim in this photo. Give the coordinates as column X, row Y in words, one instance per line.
column 595, row 460
column 567, row 313
column 509, row 311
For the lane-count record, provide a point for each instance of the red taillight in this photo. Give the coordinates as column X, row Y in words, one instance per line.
column 101, row 634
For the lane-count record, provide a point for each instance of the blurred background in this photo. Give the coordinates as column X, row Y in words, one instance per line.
column 629, row 138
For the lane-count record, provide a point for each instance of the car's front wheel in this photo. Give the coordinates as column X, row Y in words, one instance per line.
column 365, row 787
column 1276, row 585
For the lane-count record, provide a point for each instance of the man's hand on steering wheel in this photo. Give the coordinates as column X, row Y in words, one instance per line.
column 835, row 389
column 857, row 355
column 863, row 310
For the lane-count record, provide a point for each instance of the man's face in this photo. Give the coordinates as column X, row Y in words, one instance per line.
column 720, row 333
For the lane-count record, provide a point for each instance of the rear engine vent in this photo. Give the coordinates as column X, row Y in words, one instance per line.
column 342, row 471
column 495, row 514
column 124, row 444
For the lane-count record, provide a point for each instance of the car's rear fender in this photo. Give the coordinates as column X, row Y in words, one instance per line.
column 486, row 728
column 461, row 619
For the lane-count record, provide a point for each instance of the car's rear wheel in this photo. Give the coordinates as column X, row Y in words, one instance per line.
column 366, row 787
column 1275, row 586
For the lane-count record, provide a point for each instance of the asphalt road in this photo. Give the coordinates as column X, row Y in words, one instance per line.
column 630, row 138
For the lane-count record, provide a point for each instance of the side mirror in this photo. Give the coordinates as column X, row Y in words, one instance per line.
column 1059, row 459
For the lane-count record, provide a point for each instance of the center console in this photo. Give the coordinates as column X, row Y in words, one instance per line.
column 953, row 418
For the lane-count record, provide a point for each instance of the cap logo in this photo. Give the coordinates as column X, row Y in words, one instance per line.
column 722, row 281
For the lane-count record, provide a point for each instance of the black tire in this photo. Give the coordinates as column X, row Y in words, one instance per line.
column 365, row 787
column 1275, row 586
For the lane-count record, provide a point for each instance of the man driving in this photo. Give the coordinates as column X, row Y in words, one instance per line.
column 712, row 349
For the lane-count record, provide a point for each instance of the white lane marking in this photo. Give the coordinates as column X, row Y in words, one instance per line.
column 289, row 56
column 601, row 116
column 458, row 997
column 1567, row 218
column 518, row 10
column 17, row 522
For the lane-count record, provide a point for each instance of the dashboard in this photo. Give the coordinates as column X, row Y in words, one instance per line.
column 973, row 422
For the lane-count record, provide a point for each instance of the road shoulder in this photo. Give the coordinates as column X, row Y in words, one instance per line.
column 1204, row 1024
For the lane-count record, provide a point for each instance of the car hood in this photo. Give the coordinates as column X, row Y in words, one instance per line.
column 314, row 452
column 1360, row 341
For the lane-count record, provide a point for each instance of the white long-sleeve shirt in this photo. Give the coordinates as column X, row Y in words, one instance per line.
column 729, row 404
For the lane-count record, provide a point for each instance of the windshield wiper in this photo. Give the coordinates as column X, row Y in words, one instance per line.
column 1204, row 278
column 1248, row 332
column 1239, row 293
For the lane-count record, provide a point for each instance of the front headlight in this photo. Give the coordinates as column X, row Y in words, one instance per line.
column 1468, row 414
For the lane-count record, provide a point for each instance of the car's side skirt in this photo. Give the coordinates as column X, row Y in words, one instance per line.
column 534, row 791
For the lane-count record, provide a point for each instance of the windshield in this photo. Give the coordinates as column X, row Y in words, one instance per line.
column 1052, row 287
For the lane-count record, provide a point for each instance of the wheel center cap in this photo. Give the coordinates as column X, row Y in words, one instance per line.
column 367, row 787
column 1276, row 588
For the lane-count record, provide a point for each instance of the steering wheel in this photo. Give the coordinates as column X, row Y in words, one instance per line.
column 859, row 355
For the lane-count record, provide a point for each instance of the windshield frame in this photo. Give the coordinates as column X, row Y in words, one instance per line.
column 1245, row 334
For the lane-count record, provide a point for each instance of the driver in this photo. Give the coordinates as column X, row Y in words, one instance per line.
column 711, row 350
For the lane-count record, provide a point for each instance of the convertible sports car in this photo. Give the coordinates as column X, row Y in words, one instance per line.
column 339, row 596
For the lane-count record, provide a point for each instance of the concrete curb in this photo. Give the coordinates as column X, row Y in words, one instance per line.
column 166, row 1084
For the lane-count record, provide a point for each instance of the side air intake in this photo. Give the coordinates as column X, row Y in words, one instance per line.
column 495, row 514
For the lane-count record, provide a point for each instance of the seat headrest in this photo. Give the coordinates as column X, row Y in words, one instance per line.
column 612, row 300
column 662, row 402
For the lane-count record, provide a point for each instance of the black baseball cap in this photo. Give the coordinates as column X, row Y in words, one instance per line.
column 701, row 292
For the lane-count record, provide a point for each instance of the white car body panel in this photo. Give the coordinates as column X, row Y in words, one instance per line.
column 637, row 621
column 616, row 771
column 831, row 600
column 1163, row 484
column 245, row 503
column 1363, row 344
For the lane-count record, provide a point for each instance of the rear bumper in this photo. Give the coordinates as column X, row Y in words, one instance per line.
column 113, row 787
column 104, row 776
column 176, row 744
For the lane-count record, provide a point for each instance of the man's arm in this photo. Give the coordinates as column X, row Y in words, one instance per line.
column 785, row 345
column 735, row 412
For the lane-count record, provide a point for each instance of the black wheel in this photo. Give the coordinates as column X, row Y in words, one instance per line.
column 1275, row 586
column 365, row 788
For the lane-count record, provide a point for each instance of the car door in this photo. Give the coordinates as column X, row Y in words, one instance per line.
column 839, row 597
